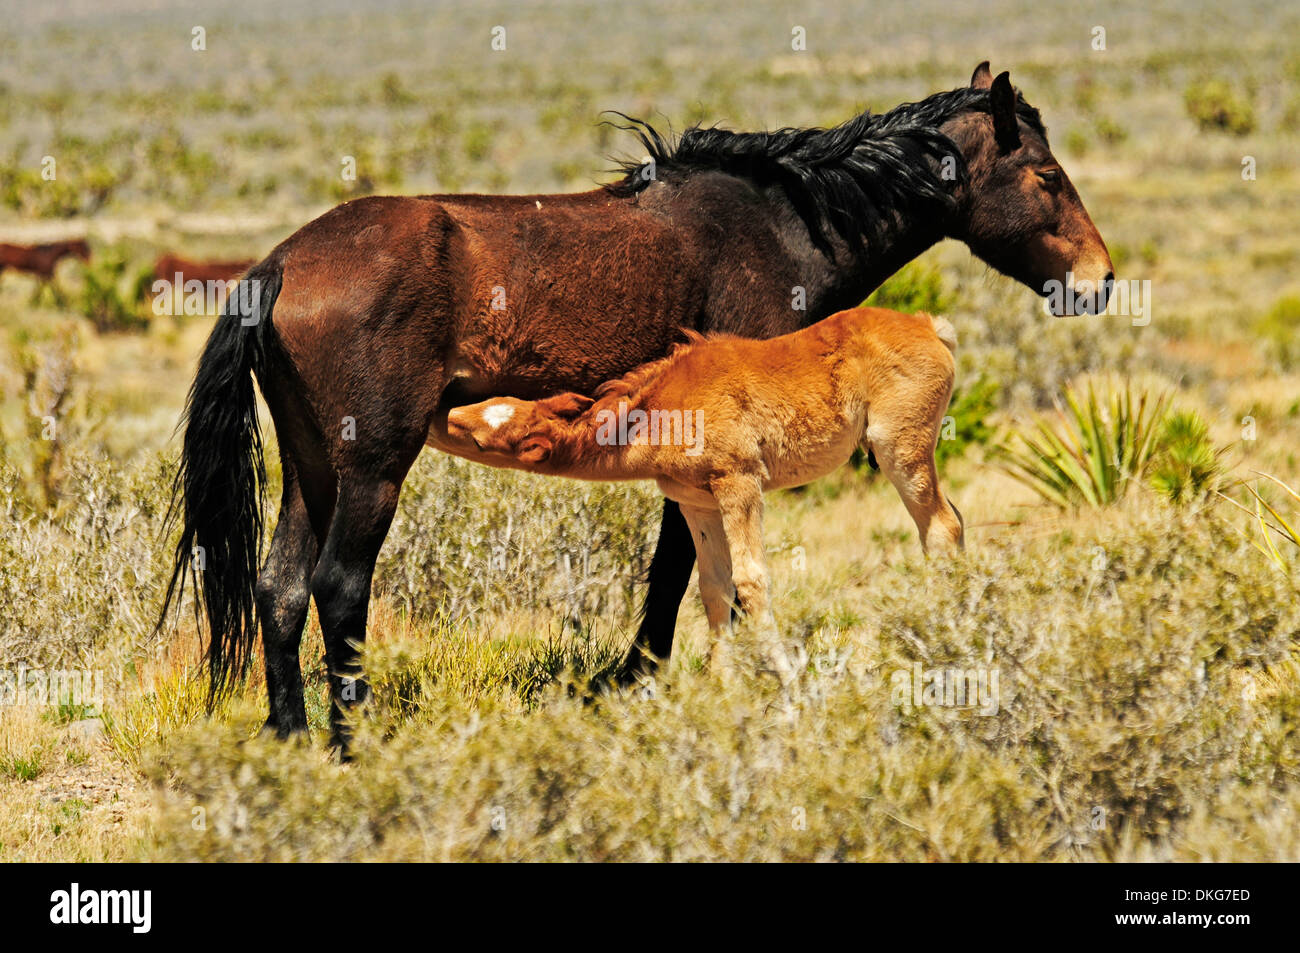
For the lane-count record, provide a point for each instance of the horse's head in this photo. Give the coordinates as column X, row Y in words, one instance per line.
column 80, row 248
column 524, row 430
column 1021, row 213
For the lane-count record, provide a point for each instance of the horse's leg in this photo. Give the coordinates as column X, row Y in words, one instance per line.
column 716, row 589
column 283, row 594
column 903, row 442
column 670, row 574
column 341, row 581
column 740, row 499
column 917, row 482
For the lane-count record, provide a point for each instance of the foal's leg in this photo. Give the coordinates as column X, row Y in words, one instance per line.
column 741, row 500
column 716, row 589
column 906, row 457
column 283, row 593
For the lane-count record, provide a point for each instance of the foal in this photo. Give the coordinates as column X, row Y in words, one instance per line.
column 723, row 419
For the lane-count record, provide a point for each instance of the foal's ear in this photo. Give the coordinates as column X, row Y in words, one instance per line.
column 535, row 448
column 982, row 78
column 1002, row 104
column 565, row 406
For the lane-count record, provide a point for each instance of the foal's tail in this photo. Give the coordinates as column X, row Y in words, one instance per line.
column 946, row 332
column 221, row 482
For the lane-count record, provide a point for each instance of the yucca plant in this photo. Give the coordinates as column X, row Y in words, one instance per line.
column 1091, row 450
column 1187, row 466
column 1274, row 528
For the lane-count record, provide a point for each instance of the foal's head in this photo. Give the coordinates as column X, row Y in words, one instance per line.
column 524, row 430
column 1021, row 213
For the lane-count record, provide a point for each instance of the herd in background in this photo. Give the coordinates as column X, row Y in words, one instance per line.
column 41, row 261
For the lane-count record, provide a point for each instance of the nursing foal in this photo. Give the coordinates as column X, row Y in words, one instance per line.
column 723, row 419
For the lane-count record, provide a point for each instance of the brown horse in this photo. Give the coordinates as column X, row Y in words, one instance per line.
column 369, row 324
column 168, row 267
column 41, row 260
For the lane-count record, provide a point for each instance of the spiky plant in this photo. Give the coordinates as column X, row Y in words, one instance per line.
column 1091, row 450
column 1187, row 466
column 1274, row 527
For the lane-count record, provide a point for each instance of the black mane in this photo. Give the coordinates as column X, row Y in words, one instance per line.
column 851, row 179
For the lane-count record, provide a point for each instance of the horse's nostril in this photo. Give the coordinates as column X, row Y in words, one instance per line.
column 1109, row 279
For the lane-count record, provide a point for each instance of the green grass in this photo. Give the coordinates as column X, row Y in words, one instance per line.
column 1279, row 330
column 915, row 287
column 21, row 767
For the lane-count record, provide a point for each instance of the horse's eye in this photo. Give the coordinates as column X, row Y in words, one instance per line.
column 1051, row 178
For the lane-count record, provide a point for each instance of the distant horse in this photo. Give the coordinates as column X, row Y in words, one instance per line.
column 40, row 260
column 168, row 267
column 373, row 321
column 724, row 419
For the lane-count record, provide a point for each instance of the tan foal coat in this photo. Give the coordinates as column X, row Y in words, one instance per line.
column 737, row 417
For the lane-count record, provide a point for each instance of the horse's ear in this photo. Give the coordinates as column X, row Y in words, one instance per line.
column 566, row 406
column 535, row 448
column 1002, row 104
column 982, row 78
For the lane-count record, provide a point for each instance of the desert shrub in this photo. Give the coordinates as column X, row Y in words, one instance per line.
column 113, row 291
column 25, row 191
column 1077, row 142
column 87, row 575
column 47, row 373
column 393, row 92
column 86, row 175
column 1109, row 131
column 468, row 537
column 1005, row 334
column 1279, row 330
column 1216, row 106
column 1098, row 658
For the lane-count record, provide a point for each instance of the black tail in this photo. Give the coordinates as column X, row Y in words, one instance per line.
column 221, row 483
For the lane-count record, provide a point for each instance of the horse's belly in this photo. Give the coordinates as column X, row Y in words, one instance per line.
column 687, row 495
column 795, row 469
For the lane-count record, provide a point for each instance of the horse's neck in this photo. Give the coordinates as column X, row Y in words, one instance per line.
column 590, row 448
column 860, row 275
column 827, row 284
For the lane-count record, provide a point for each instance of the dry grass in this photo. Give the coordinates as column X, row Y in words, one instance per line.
column 1134, row 717
column 66, row 795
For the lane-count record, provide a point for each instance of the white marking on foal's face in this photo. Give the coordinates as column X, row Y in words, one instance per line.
column 498, row 414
